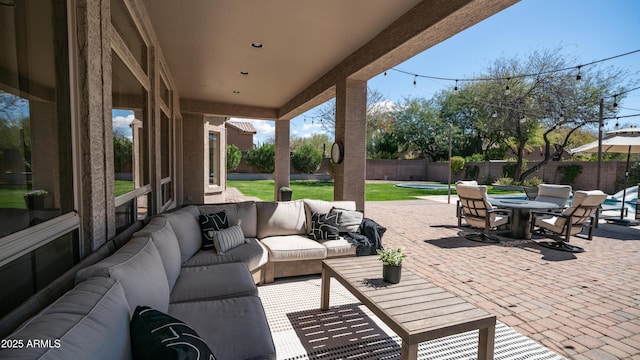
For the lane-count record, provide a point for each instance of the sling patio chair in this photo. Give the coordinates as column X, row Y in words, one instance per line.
column 477, row 212
column 582, row 213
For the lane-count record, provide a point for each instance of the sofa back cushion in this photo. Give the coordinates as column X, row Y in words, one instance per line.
column 281, row 218
column 91, row 321
column 244, row 213
column 138, row 267
column 184, row 223
column 160, row 231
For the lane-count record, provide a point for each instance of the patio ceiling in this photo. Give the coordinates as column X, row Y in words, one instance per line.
column 308, row 46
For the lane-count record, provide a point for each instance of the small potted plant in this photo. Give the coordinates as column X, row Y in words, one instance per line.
column 391, row 264
column 35, row 199
column 285, row 193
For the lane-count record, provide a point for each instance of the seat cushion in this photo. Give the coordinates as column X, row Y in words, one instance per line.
column 160, row 231
column 90, row 321
column 339, row 247
column 213, row 282
column 234, row 328
column 184, row 223
column 156, row 335
column 252, row 253
column 281, row 218
column 293, row 247
column 138, row 267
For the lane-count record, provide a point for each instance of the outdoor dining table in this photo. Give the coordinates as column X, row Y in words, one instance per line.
column 521, row 214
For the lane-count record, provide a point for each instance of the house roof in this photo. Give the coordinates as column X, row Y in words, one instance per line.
column 242, row 126
column 307, row 47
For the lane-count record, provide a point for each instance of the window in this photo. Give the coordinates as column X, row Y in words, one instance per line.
column 166, row 163
column 126, row 28
column 38, row 226
column 214, row 158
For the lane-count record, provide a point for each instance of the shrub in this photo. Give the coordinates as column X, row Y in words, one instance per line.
column 306, row 159
column 534, row 181
column 474, row 158
column 505, row 181
column 263, row 158
column 457, row 164
column 234, row 156
column 569, row 173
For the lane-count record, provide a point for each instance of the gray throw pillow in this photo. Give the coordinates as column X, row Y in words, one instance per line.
column 348, row 220
column 227, row 239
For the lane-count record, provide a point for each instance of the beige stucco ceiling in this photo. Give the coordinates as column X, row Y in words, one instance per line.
column 308, row 45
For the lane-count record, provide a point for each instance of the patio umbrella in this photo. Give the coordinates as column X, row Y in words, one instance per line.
column 618, row 141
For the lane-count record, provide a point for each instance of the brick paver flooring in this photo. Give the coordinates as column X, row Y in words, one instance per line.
column 583, row 306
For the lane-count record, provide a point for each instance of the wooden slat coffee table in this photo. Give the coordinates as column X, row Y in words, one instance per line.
column 415, row 309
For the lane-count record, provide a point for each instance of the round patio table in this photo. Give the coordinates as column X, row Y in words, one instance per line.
column 521, row 214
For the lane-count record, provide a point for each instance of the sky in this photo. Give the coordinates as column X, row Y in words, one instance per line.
column 588, row 30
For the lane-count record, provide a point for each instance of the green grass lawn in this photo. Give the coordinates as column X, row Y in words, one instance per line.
column 12, row 195
column 123, row 187
column 323, row 190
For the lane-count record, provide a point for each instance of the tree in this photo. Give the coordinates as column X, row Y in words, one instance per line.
column 419, row 127
column 321, row 142
column 234, row 156
column 544, row 100
column 122, row 153
column 379, row 115
column 263, row 157
column 306, row 159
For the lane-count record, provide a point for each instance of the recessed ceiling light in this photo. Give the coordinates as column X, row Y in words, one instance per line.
column 236, row 91
column 244, row 73
column 257, row 45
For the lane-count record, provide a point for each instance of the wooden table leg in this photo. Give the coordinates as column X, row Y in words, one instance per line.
column 486, row 343
column 409, row 352
column 325, row 289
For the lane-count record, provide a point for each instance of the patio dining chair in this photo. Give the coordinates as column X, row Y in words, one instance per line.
column 572, row 221
column 557, row 194
column 477, row 212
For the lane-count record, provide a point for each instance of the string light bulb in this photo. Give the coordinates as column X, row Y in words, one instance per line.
column 507, row 89
column 579, row 77
column 494, row 114
column 414, row 80
column 455, row 89
column 385, row 74
column 615, row 103
column 561, row 117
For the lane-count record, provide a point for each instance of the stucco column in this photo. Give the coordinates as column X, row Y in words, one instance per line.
column 351, row 128
column 283, row 158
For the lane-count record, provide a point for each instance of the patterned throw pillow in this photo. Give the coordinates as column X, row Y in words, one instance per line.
column 155, row 335
column 324, row 226
column 227, row 239
column 209, row 224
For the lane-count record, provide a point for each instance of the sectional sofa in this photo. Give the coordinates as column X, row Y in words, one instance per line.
column 163, row 266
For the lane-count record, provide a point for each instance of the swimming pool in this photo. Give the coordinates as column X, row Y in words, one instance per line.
column 426, row 186
column 610, row 204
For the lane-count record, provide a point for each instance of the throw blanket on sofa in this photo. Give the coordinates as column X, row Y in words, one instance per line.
column 368, row 239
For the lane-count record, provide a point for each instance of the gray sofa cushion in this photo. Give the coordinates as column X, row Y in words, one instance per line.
column 245, row 211
column 227, row 321
column 213, row 282
column 138, row 267
column 281, row 218
column 184, row 223
column 159, row 229
column 251, row 253
column 91, row 321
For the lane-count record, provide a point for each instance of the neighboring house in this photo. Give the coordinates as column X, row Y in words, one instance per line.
column 240, row 134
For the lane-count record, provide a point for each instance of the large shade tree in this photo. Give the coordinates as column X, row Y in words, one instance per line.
column 519, row 103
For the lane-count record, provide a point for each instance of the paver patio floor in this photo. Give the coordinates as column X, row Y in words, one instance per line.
column 583, row 306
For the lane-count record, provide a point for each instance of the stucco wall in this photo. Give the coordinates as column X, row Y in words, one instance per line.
column 243, row 141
